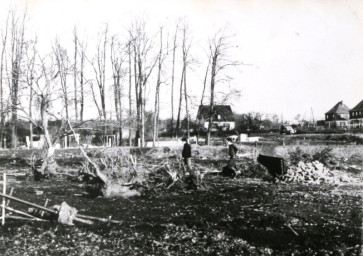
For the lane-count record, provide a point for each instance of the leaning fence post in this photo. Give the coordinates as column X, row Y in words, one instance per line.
column 4, row 200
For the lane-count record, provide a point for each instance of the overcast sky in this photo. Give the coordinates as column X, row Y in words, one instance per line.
column 303, row 54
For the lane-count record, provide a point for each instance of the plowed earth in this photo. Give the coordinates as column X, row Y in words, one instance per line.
column 242, row 216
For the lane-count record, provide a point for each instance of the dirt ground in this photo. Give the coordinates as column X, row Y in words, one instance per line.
column 241, row 216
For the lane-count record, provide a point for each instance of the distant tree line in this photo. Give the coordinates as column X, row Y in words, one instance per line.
column 115, row 75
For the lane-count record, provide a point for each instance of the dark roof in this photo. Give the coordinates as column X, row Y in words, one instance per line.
column 339, row 108
column 358, row 107
column 225, row 112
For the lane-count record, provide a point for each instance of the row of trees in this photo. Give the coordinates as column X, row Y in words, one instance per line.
column 115, row 75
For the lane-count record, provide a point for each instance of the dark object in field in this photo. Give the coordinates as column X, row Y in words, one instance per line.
column 274, row 165
column 228, row 171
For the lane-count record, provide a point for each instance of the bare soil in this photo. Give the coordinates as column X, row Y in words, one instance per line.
column 242, row 216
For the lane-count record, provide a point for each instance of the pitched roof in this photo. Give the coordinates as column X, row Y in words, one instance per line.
column 339, row 108
column 358, row 107
column 225, row 112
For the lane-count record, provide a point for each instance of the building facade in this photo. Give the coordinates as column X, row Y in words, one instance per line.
column 222, row 117
column 337, row 116
column 356, row 116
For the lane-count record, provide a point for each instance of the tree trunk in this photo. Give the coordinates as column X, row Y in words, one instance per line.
column 75, row 75
column 130, row 96
column 172, row 86
column 2, row 110
column 82, row 85
column 31, row 117
column 186, row 102
column 49, row 165
column 157, row 92
column 178, row 121
column 212, row 85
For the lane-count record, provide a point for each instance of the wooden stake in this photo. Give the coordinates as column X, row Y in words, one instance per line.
column 4, row 200
column 45, row 205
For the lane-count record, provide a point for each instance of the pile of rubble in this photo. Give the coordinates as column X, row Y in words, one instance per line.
column 313, row 173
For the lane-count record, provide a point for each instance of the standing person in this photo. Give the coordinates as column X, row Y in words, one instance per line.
column 230, row 169
column 187, row 154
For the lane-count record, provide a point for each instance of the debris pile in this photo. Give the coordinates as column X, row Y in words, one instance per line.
column 313, row 173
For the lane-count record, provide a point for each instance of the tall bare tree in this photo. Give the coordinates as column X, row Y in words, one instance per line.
column 144, row 64
column 186, row 48
column 4, row 40
column 117, row 59
column 17, row 43
column 81, row 51
column 99, row 67
column 172, row 81
column 31, row 54
column 160, row 60
column 219, row 47
column 75, row 70
column 63, row 65
column 186, row 43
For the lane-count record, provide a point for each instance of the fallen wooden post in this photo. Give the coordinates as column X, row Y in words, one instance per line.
column 23, row 213
column 22, row 218
column 28, row 203
column 97, row 218
column 11, row 193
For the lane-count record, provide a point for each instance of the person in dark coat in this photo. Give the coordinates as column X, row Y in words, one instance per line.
column 187, row 154
column 192, row 179
column 230, row 169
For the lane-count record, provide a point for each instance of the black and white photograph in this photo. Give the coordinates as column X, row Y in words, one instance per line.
column 181, row 127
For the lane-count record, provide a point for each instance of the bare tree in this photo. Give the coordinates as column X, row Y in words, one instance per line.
column 117, row 59
column 99, row 67
column 160, row 59
column 63, row 65
column 17, row 43
column 219, row 47
column 2, row 63
column 143, row 66
column 81, row 51
column 31, row 54
column 172, row 81
column 129, row 52
column 75, row 40
column 186, row 47
column 186, row 43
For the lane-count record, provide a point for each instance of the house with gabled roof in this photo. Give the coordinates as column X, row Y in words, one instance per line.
column 222, row 117
column 356, row 116
column 337, row 116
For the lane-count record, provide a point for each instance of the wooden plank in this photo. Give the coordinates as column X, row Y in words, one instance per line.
column 56, row 212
